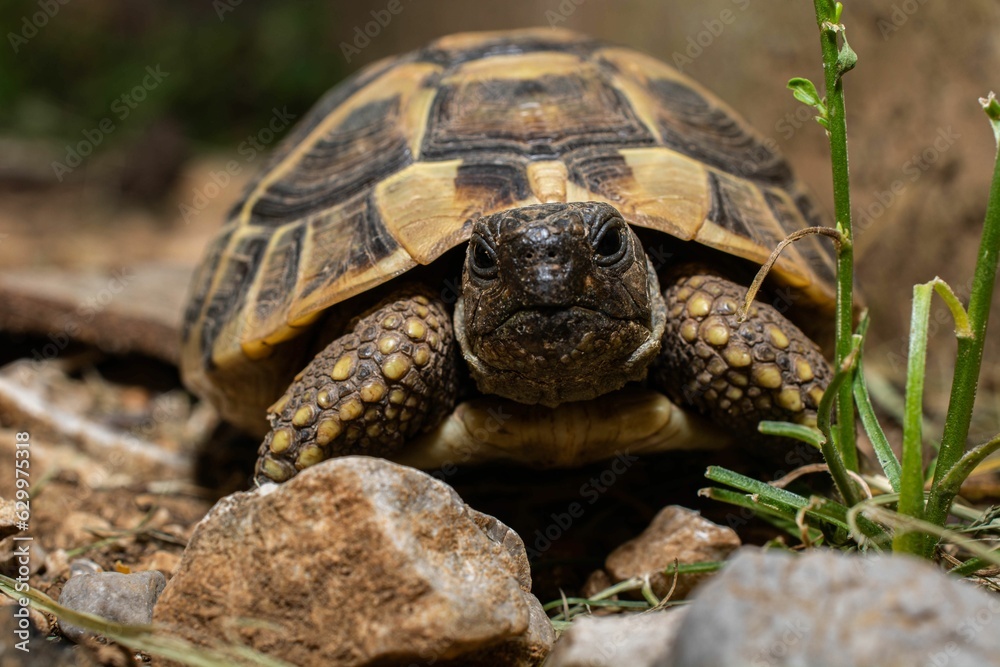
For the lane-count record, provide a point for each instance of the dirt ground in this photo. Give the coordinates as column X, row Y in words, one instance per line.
column 921, row 154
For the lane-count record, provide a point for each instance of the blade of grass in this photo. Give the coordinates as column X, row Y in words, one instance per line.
column 870, row 508
column 776, row 519
column 780, row 501
column 787, row 504
column 805, row 434
column 693, row 568
column 952, row 482
column 883, row 450
column 971, row 566
column 970, row 350
column 148, row 639
column 911, row 490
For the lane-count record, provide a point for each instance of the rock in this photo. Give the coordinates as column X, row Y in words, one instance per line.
column 12, row 557
column 827, row 609
column 676, row 533
column 8, row 518
column 141, row 307
column 22, row 615
column 358, row 561
column 123, row 598
column 80, row 566
column 597, row 581
column 164, row 561
column 23, row 642
column 636, row 640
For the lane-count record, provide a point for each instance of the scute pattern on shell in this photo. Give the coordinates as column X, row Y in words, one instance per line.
column 390, row 168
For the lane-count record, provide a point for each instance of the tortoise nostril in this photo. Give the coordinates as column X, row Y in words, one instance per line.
column 552, row 254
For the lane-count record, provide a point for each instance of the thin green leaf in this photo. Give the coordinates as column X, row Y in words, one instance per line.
column 911, row 490
column 694, row 568
column 806, row 434
column 871, row 509
column 783, row 522
column 625, row 604
column 805, row 91
column 962, row 327
column 992, row 108
column 952, row 482
column 887, row 458
column 837, row 11
column 883, row 450
column 971, row 566
column 781, row 501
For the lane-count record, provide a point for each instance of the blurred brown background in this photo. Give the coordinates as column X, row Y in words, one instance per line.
column 117, row 118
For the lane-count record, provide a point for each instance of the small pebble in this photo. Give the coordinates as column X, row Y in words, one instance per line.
column 123, row 598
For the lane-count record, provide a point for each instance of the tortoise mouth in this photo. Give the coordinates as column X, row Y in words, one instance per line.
column 559, row 340
column 530, row 314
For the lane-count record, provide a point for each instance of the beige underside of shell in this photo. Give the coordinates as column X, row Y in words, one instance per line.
column 629, row 421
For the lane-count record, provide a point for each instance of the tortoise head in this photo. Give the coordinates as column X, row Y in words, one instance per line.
column 559, row 303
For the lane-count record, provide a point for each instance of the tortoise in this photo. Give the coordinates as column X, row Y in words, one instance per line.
column 524, row 245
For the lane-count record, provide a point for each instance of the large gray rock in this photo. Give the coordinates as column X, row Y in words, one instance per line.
column 826, row 609
column 123, row 598
column 636, row 640
column 358, row 561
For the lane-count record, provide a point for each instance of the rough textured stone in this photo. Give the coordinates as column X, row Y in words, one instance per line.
column 8, row 518
column 358, row 561
column 124, row 598
column 826, row 609
column 636, row 640
column 676, row 533
column 24, row 644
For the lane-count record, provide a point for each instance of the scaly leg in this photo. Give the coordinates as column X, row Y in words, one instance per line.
column 371, row 390
column 736, row 373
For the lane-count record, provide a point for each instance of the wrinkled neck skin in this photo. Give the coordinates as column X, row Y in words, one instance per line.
column 559, row 304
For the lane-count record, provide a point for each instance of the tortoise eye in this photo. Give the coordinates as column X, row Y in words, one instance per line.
column 609, row 243
column 484, row 260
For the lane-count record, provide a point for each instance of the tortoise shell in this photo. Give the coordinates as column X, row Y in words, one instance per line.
column 391, row 167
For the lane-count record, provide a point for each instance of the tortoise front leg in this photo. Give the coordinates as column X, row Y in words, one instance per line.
column 371, row 390
column 736, row 373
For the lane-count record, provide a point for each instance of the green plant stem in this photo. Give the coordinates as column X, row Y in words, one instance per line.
column 837, row 127
column 831, row 454
column 967, row 362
